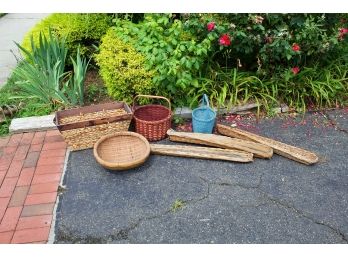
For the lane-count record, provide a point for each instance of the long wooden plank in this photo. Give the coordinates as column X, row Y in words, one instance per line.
column 202, row 152
column 257, row 149
column 288, row 151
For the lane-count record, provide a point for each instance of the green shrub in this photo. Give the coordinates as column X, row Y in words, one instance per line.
column 170, row 50
column 79, row 30
column 122, row 69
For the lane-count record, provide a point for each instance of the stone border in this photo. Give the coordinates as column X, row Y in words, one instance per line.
column 31, row 124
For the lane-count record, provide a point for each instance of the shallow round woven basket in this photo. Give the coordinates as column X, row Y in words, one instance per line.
column 152, row 120
column 121, row 150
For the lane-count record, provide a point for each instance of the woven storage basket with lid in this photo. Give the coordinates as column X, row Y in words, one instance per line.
column 82, row 127
column 121, row 150
column 152, row 120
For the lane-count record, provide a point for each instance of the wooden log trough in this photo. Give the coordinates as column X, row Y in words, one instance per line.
column 258, row 150
column 288, row 151
column 201, row 152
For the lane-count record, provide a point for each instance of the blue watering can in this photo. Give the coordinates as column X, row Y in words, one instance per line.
column 203, row 117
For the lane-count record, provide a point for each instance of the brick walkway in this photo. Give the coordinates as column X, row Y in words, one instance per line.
column 31, row 166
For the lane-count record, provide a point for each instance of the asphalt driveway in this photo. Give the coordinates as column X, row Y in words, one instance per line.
column 181, row 200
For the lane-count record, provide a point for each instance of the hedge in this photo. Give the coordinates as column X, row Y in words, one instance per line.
column 84, row 30
column 122, row 69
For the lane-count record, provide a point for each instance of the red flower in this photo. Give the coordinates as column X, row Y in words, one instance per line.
column 211, row 26
column 295, row 70
column 296, row 47
column 343, row 32
column 225, row 40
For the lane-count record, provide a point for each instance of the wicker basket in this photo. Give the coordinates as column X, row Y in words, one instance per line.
column 121, row 151
column 88, row 124
column 152, row 120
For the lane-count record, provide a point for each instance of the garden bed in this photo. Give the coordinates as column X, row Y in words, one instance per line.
column 301, row 62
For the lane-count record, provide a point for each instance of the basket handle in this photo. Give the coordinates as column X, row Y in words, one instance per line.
column 154, row 97
column 205, row 100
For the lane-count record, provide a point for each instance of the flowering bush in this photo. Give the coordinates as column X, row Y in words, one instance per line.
column 269, row 43
column 187, row 50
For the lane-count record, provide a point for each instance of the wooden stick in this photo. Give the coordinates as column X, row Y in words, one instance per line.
column 202, row 152
column 288, row 151
column 257, row 149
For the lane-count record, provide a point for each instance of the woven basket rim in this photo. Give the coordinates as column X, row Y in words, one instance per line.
column 126, row 165
column 153, row 121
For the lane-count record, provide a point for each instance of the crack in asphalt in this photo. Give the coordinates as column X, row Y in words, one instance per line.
column 239, row 184
column 266, row 197
column 123, row 234
column 278, row 203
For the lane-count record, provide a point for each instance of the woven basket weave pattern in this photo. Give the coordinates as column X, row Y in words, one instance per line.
column 152, row 121
column 84, row 138
column 129, row 150
column 81, row 127
column 122, row 150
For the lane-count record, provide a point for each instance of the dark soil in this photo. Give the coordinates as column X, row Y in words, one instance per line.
column 95, row 89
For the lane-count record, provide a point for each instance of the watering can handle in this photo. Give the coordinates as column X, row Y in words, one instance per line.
column 205, row 100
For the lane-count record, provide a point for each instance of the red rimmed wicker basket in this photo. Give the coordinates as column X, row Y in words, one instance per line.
column 152, row 120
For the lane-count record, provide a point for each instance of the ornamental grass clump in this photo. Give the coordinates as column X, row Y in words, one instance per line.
column 42, row 74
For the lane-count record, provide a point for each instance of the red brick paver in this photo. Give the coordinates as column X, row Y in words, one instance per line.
column 44, row 188
column 31, row 159
column 18, row 197
column 10, row 219
column 30, row 235
column 37, row 209
column 31, row 166
column 39, row 137
column 34, row 222
column 15, row 169
column 27, row 138
column 35, row 148
column 26, row 177
column 41, row 198
column 5, row 237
